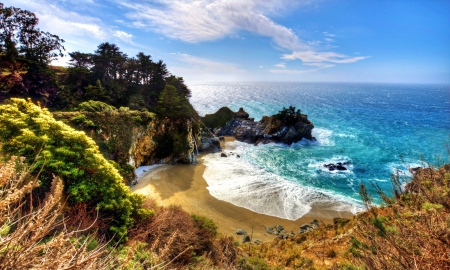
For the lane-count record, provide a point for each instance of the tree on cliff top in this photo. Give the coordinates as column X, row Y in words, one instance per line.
column 173, row 105
column 55, row 148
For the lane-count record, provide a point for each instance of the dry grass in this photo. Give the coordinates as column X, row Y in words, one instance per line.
column 413, row 230
column 410, row 231
column 182, row 240
column 28, row 239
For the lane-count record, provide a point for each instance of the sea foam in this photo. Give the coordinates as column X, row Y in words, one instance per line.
column 236, row 180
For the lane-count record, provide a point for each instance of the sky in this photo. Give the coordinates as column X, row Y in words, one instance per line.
column 396, row 41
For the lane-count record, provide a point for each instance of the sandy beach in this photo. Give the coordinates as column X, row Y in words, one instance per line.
column 184, row 185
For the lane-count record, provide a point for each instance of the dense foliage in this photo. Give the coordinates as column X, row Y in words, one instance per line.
column 219, row 118
column 289, row 115
column 110, row 76
column 22, row 44
column 112, row 129
column 55, row 148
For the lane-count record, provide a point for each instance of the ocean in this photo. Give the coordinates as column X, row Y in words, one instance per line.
column 378, row 128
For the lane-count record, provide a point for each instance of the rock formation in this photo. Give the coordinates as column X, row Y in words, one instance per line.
column 268, row 129
column 168, row 141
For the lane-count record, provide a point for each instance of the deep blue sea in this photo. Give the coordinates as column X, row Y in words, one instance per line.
column 377, row 128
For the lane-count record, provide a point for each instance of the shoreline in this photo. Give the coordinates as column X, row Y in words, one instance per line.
column 184, row 185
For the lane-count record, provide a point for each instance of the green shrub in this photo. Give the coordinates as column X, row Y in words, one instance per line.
column 95, row 106
column 30, row 131
column 428, row 206
column 205, row 223
column 252, row 263
column 219, row 118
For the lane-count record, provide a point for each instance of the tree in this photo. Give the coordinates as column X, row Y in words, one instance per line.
column 21, row 40
column 80, row 60
column 108, row 62
column 172, row 105
column 178, row 83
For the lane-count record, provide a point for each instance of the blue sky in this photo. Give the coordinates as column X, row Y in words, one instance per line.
column 397, row 41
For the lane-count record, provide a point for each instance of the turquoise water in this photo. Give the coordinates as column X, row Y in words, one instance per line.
column 377, row 128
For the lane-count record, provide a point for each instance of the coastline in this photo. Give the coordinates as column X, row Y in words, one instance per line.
column 184, row 185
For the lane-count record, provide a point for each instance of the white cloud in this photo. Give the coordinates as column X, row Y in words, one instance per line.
column 205, row 20
column 319, row 65
column 318, row 57
column 202, row 69
column 328, row 34
column 281, row 65
column 207, row 65
column 123, row 36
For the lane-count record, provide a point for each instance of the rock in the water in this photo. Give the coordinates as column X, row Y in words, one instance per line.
column 340, row 166
column 246, row 238
column 223, row 155
column 269, row 129
column 241, row 232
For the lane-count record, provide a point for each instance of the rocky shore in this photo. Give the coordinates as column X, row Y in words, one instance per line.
column 289, row 126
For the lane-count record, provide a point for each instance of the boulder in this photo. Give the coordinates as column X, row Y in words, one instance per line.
column 223, row 155
column 241, row 232
column 257, row 241
column 241, row 114
column 279, row 228
column 246, row 238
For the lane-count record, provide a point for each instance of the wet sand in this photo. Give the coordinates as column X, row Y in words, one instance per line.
column 184, row 185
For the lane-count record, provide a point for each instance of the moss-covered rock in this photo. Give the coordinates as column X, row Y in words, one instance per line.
column 219, row 118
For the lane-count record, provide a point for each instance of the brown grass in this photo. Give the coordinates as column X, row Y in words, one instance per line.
column 182, row 240
column 28, row 240
column 413, row 230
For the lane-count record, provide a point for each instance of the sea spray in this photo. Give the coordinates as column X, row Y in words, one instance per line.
column 236, row 180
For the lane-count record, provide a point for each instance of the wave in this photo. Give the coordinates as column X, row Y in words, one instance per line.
column 234, row 179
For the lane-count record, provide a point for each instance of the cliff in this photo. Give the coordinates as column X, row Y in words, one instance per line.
column 286, row 127
column 170, row 141
column 134, row 138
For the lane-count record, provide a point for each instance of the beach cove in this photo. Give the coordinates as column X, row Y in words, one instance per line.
column 184, row 185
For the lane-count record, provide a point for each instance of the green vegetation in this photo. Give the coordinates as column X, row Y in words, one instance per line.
column 55, row 148
column 289, row 116
column 219, row 118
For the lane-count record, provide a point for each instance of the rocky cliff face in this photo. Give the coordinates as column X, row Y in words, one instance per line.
column 170, row 141
column 269, row 129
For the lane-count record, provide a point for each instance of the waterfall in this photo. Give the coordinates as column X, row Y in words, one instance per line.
column 195, row 145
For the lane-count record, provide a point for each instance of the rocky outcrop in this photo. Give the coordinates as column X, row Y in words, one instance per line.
column 170, row 141
column 269, row 129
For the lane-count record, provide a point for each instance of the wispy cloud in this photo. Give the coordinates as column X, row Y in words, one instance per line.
column 281, row 65
column 208, row 70
column 123, row 36
column 207, row 65
column 205, row 20
column 318, row 57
